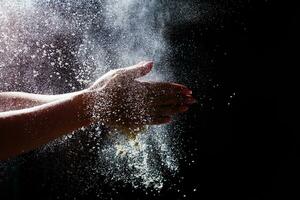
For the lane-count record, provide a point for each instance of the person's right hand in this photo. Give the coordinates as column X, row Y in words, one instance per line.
column 122, row 102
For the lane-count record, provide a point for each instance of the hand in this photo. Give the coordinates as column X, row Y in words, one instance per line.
column 125, row 103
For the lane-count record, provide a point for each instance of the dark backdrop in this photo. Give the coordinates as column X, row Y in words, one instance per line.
column 248, row 150
column 242, row 135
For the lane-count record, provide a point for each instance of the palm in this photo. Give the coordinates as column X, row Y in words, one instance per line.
column 131, row 103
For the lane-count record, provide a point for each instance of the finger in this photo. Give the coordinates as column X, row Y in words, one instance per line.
column 173, row 100
column 158, row 88
column 136, row 71
column 169, row 110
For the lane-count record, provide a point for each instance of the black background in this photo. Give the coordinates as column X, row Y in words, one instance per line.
column 245, row 150
column 249, row 150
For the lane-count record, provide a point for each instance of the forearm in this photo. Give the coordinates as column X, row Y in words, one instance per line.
column 20, row 100
column 26, row 129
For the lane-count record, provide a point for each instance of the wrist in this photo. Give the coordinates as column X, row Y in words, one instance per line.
column 82, row 101
column 92, row 107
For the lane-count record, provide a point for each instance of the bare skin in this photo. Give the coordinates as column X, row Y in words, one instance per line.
column 117, row 99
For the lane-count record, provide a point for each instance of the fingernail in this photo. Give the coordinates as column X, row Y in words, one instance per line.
column 187, row 92
column 183, row 108
column 149, row 64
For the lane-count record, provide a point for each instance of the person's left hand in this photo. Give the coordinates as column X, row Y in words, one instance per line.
column 133, row 103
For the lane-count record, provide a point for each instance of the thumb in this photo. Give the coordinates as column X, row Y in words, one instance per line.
column 137, row 71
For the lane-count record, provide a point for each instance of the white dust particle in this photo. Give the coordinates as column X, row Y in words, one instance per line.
column 55, row 46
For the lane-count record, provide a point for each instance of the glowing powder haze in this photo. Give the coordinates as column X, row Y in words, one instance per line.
column 58, row 46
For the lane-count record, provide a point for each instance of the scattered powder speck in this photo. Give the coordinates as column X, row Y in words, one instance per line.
column 142, row 161
column 58, row 46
